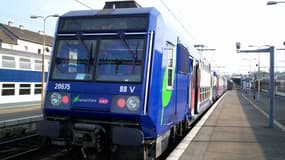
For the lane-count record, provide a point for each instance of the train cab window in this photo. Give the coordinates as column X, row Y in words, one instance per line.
column 170, row 51
column 73, row 60
column 110, row 59
column 120, row 60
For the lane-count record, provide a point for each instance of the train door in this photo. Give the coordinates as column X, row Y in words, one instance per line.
column 211, row 86
column 168, row 90
column 195, row 89
column 183, row 82
column 218, row 86
column 189, row 87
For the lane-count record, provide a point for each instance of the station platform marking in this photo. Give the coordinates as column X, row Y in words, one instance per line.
column 18, row 121
column 19, row 109
column 282, row 127
column 179, row 150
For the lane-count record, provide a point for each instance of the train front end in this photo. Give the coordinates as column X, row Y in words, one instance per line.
column 97, row 90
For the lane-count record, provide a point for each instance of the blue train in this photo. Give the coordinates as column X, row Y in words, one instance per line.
column 123, row 82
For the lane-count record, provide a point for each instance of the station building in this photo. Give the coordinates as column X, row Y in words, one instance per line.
column 21, row 63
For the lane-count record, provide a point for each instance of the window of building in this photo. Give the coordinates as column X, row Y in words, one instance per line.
column 38, row 65
column 47, row 50
column 8, row 61
column 0, row 43
column 26, row 48
column 39, row 51
column 8, row 89
column 25, row 89
column 38, row 89
column 47, row 65
column 25, row 63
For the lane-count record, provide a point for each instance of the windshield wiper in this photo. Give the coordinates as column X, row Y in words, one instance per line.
column 134, row 54
column 78, row 36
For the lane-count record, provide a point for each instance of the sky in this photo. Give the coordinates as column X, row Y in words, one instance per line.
column 218, row 24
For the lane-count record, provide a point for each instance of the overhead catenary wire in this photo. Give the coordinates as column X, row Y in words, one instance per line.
column 175, row 17
column 83, row 4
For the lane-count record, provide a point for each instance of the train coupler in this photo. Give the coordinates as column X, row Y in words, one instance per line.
column 88, row 135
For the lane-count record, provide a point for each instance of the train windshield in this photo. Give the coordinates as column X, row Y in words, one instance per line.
column 116, row 59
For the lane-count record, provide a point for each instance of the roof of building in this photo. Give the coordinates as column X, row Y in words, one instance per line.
column 5, row 38
column 10, row 34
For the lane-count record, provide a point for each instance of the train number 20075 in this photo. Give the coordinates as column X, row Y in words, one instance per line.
column 62, row 86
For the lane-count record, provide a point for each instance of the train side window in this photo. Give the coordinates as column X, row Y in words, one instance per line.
column 25, row 89
column 183, row 59
column 38, row 88
column 170, row 50
column 8, row 89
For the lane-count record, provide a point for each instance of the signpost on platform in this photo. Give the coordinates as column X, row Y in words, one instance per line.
column 270, row 50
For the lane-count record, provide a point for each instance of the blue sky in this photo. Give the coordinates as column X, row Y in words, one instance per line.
column 215, row 23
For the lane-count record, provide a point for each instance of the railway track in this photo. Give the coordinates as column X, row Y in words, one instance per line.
column 28, row 148
column 12, row 149
column 14, row 128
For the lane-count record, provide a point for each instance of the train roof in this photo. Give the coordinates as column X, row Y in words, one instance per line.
column 127, row 11
column 119, row 11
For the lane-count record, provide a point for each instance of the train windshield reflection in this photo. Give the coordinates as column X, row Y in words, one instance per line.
column 111, row 59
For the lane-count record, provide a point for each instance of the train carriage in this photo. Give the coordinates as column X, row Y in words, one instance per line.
column 121, row 80
column 279, row 84
column 214, row 80
column 221, row 85
column 204, row 88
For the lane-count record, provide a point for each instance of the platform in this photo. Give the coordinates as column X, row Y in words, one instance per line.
column 19, row 113
column 235, row 130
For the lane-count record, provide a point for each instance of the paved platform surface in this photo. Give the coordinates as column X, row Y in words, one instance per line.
column 19, row 110
column 263, row 102
column 236, row 131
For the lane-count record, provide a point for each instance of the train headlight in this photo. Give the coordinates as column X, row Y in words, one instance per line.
column 55, row 98
column 133, row 103
column 125, row 104
column 121, row 102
